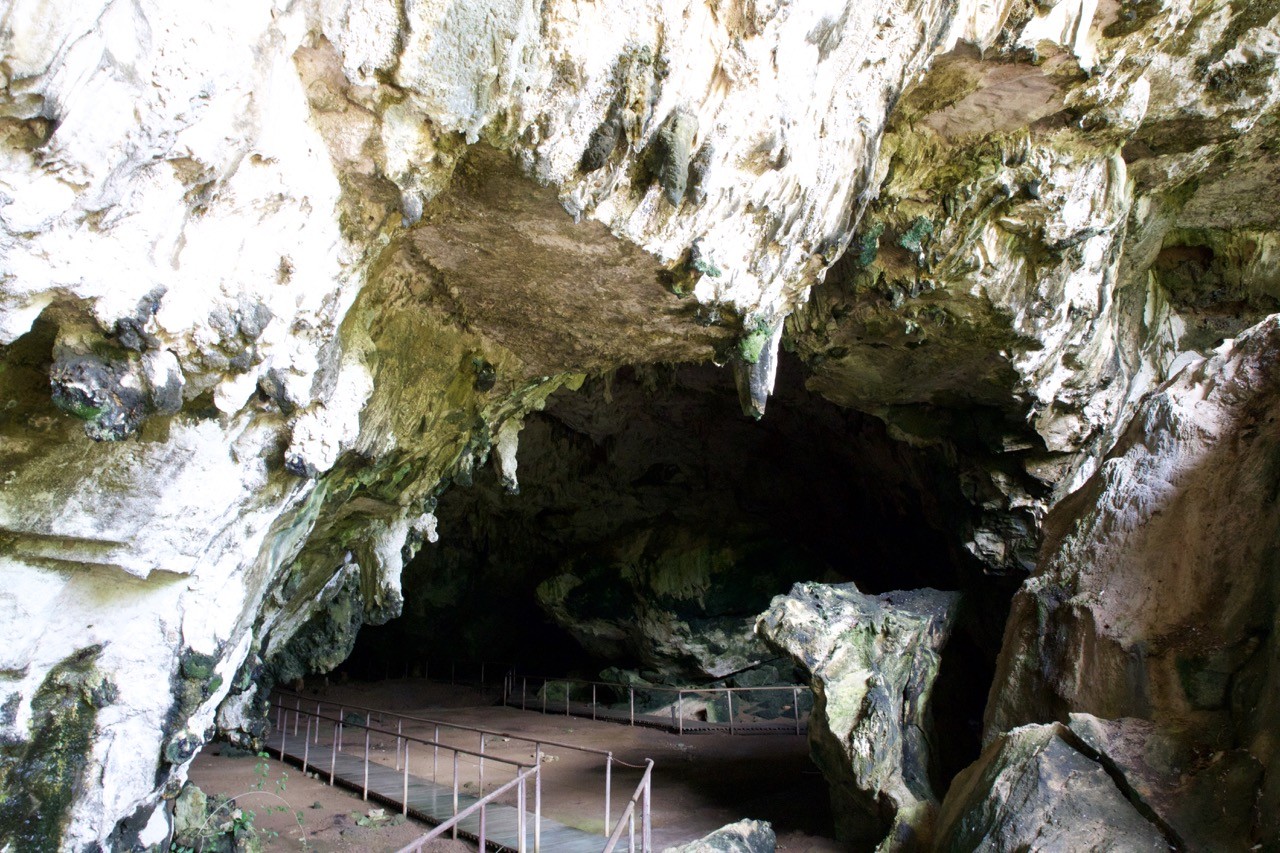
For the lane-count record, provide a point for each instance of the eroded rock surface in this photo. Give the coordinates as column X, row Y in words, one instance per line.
column 1135, row 611
column 273, row 276
column 745, row 836
column 872, row 663
column 1033, row 789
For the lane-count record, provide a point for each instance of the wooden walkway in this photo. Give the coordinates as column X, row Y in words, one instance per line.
column 433, row 803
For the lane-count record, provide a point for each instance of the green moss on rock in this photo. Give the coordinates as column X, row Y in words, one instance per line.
column 42, row 777
column 751, row 345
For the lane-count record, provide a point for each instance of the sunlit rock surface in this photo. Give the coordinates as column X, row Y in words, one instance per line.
column 1156, row 597
column 273, row 276
column 745, row 836
column 1034, row 789
column 872, row 662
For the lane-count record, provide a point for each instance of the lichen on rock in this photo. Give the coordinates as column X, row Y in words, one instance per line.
column 872, row 662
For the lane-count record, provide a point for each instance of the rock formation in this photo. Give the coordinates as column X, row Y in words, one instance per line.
column 745, row 836
column 872, row 662
column 276, row 279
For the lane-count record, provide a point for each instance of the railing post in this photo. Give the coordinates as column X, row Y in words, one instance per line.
column 537, row 797
column 365, row 796
column 593, row 705
column 399, row 731
column 680, row 716
column 342, row 715
column 455, row 792
column 631, row 695
column 317, row 722
column 522, row 819
column 729, row 696
column 435, row 755
column 608, row 789
column 283, row 734
column 404, row 792
column 795, row 706
column 333, row 758
column 296, row 710
column 646, row 827
column 481, row 771
column 306, row 746
column 631, row 830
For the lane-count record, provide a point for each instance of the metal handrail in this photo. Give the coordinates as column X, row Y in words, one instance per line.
column 338, row 726
column 643, row 795
column 397, row 735
column 451, row 823
column 343, row 706
column 677, row 707
column 340, row 723
column 660, row 688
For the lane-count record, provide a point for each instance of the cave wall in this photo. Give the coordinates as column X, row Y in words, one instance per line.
column 274, row 276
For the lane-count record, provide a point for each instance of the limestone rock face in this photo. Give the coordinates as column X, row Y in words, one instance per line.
column 1102, row 785
column 745, row 836
column 1156, row 595
column 683, row 603
column 1033, row 789
column 872, row 662
column 273, row 275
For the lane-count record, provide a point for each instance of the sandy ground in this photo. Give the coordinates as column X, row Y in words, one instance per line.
column 700, row 782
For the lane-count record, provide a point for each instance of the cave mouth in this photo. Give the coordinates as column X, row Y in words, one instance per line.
column 653, row 523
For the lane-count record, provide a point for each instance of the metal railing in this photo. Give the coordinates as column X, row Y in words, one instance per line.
column 311, row 735
column 642, row 797
column 443, row 725
column 452, row 823
column 738, row 702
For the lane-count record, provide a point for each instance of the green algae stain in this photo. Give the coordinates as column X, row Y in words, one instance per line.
column 41, row 777
column 751, row 344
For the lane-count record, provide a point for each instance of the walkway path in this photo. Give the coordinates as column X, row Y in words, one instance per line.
column 431, row 801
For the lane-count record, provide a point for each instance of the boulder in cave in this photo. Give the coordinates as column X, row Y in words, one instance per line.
column 744, row 836
column 1033, row 789
column 872, row 663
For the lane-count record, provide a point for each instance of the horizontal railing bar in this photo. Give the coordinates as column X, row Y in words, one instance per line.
column 440, row 829
column 425, row 741
column 429, row 721
column 661, row 688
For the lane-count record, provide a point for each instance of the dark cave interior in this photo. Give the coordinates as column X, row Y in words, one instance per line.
column 647, row 500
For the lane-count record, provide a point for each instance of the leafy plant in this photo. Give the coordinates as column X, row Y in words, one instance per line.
column 227, row 818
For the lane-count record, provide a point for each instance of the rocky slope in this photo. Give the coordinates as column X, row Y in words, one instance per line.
column 274, row 276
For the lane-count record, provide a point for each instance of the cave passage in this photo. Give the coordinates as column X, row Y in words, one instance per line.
column 654, row 522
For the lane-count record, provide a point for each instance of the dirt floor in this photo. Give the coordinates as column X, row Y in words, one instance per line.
column 700, row 782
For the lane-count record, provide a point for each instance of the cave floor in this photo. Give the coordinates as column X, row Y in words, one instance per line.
column 700, row 783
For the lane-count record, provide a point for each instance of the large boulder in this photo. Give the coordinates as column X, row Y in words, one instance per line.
column 745, row 836
column 872, row 661
column 1034, row 789
column 1098, row 784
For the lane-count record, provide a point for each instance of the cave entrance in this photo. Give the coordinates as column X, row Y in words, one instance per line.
column 653, row 523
